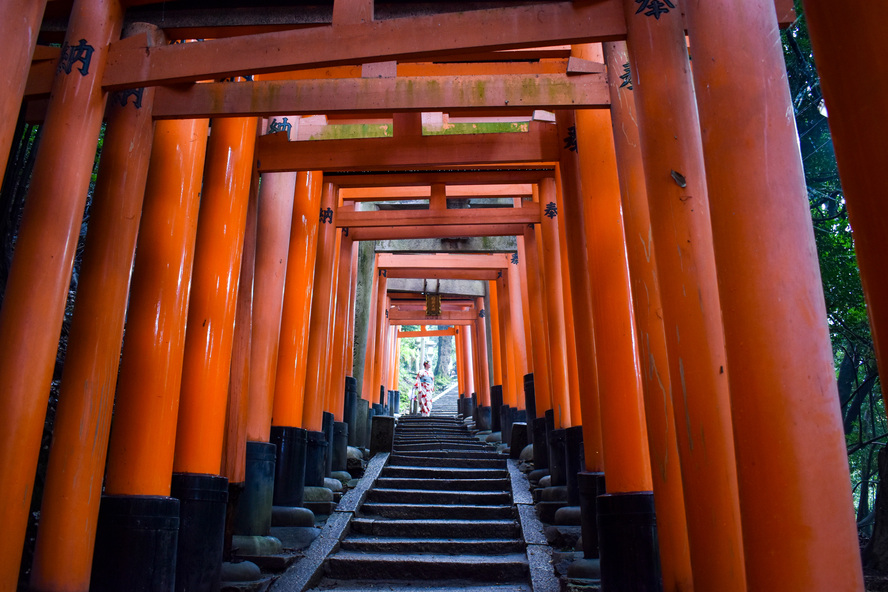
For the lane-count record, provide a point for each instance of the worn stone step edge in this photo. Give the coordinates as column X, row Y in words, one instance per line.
column 410, row 586
column 439, row 496
column 435, row 511
column 428, row 484
column 461, row 529
column 489, row 546
column 497, row 568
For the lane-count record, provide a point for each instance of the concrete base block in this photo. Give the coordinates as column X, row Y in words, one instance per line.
column 332, row 484
column 242, row 571
column 318, row 494
column 252, row 546
column 547, row 510
column 526, row 453
column 568, row 516
column 291, row 516
column 554, row 494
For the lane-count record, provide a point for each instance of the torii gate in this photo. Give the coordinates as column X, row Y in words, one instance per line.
column 730, row 333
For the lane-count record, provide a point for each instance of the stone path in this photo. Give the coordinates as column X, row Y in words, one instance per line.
column 440, row 517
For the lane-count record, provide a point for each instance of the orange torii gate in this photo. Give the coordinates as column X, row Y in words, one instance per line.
column 738, row 350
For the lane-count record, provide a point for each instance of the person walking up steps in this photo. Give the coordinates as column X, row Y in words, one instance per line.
column 425, row 385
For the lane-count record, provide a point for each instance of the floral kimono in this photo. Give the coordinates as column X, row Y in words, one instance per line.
column 425, row 384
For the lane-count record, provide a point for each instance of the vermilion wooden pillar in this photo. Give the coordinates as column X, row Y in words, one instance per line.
column 571, row 205
column 320, row 313
column 527, row 252
column 140, row 455
column 624, row 435
column 856, row 92
column 570, row 341
column 495, row 336
column 37, row 288
column 234, row 458
column 340, row 329
column 218, row 249
column 507, row 341
column 460, row 364
column 672, row 530
column 783, row 384
column 381, row 314
column 512, row 278
column 19, row 32
column 276, row 198
column 680, row 227
column 483, row 358
column 550, row 262
column 352, row 299
column 330, row 352
column 468, row 363
column 475, row 355
column 370, row 350
column 289, row 387
column 70, row 507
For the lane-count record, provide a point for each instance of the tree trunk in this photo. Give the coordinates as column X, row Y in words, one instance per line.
column 445, row 357
column 875, row 556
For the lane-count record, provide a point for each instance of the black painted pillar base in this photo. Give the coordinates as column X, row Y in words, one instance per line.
column 496, row 403
column 289, row 468
column 529, row 404
column 627, row 533
column 340, row 446
column 253, row 515
column 350, row 409
column 575, row 459
column 136, row 541
column 202, row 503
column 485, row 421
column 540, row 444
column 327, row 422
column 557, row 457
column 315, row 459
column 590, row 486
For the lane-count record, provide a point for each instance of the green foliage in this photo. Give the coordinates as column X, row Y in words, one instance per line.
column 859, row 388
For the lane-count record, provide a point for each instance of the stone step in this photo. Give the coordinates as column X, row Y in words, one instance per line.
column 438, row 444
column 405, row 471
column 496, row 568
column 444, row 484
column 453, row 529
column 433, row 545
column 441, row 497
column 429, row 461
column 435, row 511
column 410, row 586
column 451, row 454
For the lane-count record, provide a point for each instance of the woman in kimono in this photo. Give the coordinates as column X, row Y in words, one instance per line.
column 425, row 386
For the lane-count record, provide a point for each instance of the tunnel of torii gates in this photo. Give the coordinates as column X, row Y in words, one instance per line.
column 694, row 353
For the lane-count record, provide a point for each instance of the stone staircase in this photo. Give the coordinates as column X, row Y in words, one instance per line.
column 439, row 518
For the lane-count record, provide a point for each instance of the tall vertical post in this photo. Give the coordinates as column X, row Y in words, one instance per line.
column 495, row 335
column 550, row 262
column 571, row 205
column 512, row 279
column 379, row 349
column 276, row 198
column 507, row 340
column 320, row 312
column 624, row 437
column 460, row 363
column 536, row 303
column 37, row 288
column 672, row 530
column 235, row 452
column 70, row 507
column 352, row 308
column 211, row 312
column 669, row 130
column 289, row 387
column 19, row 32
column 140, row 456
column 468, row 363
column 783, row 385
column 855, row 93
column 483, row 358
column 340, row 328
column 330, row 352
column 370, row 347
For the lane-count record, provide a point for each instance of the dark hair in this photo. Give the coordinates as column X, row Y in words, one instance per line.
column 426, row 363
